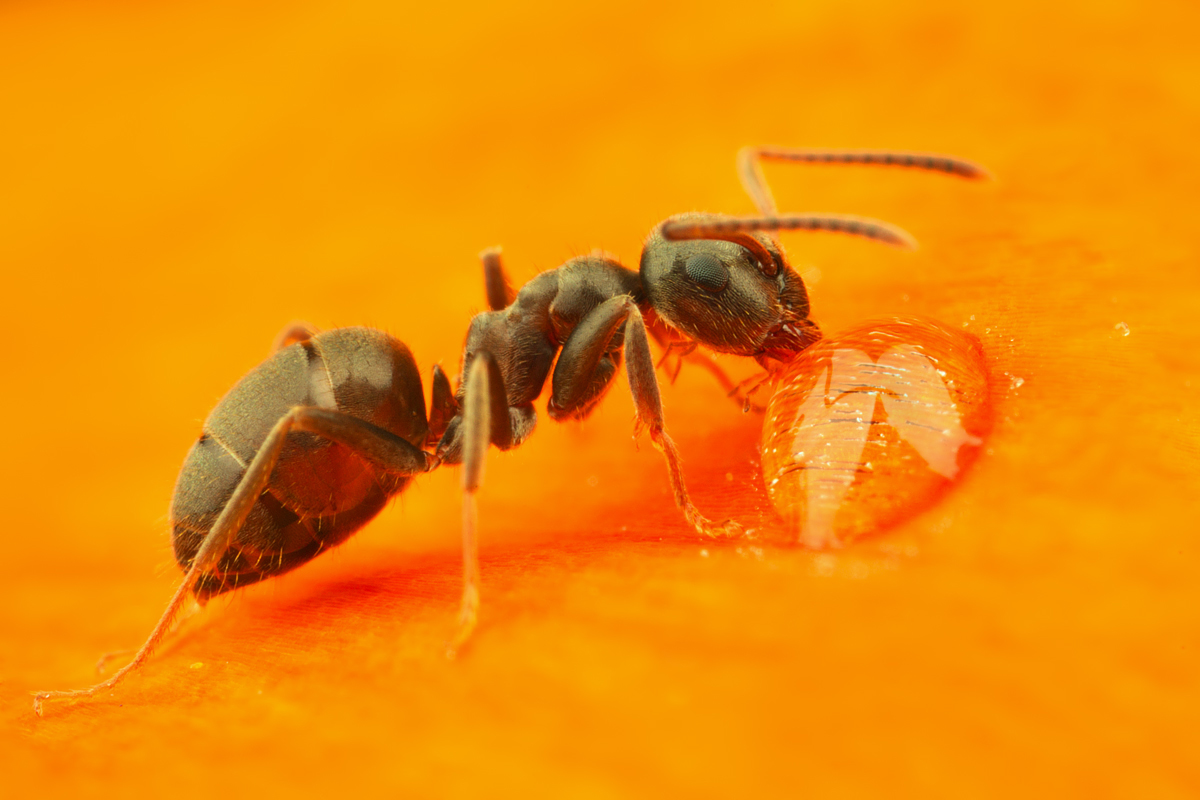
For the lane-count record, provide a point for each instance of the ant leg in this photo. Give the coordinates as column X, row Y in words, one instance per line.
column 510, row 425
column 496, row 285
column 443, row 406
column 644, row 386
column 583, row 372
column 664, row 337
column 103, row 661
column 750, row 173
column 745, row 390
column 375, row 444
column 484, row 401
column 588, row 361
column 294, row 331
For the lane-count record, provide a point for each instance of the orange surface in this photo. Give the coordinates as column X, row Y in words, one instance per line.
column 180, row 181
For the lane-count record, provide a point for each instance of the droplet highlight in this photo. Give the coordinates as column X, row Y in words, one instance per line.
column 868, row 427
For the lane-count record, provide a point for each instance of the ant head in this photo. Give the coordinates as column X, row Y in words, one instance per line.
column 727, row 288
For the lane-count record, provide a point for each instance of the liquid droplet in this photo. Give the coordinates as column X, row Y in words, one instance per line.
column 1121, row 328
column 869, row 427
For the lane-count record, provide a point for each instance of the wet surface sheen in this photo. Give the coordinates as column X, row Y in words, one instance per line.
column 872, row 425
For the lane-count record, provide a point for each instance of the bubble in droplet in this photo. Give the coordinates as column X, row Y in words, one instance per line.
column 908, row 397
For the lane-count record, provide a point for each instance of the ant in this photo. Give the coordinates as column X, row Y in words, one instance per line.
column 313, row 443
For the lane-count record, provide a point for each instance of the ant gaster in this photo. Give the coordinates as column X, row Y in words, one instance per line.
column 312, row 443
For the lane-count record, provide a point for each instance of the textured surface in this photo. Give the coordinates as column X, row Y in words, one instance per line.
column 180, row 182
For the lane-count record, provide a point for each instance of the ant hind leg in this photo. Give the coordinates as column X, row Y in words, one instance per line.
column 373, row 443
column 106, row 658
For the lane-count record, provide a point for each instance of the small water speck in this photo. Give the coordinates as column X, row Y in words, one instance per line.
column 704, row 554
column 1121, row 328
column 1016, row 383
column 197, row 665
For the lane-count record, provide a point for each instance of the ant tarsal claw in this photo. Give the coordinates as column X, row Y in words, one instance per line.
column 724, row 530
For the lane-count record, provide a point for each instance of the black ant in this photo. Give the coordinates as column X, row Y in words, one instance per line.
column 312, row 443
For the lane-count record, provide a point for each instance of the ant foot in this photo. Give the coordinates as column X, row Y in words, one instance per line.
column 724, row 530
column 743, row 393
column 39, row 698
column 468, row 617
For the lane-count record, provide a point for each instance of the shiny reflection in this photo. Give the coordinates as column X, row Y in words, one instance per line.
column 870, row 426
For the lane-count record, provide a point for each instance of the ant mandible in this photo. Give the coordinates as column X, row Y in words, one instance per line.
column 311, row 444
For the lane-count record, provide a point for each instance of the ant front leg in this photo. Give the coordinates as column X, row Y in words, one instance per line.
column 379, row 446
column 585, row 367
column 678, row 350
column 644, row 386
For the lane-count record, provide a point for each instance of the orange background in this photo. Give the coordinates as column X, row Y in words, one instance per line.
column 179, row 182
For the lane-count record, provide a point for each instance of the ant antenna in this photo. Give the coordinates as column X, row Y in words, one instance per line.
column 749, row 166
column 737, row 229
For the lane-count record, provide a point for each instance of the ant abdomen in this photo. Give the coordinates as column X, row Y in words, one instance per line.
column 320, row 492
column 871, row 426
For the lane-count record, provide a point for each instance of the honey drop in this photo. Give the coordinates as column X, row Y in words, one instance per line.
column 868, row 427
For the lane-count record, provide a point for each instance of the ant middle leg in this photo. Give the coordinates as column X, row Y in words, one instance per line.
column 485, row 420
column 586, row 366
column 381, row 447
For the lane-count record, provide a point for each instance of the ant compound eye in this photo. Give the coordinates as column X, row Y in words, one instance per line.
column 708, row 271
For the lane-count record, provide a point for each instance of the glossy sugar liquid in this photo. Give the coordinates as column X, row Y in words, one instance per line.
column 868, row 427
